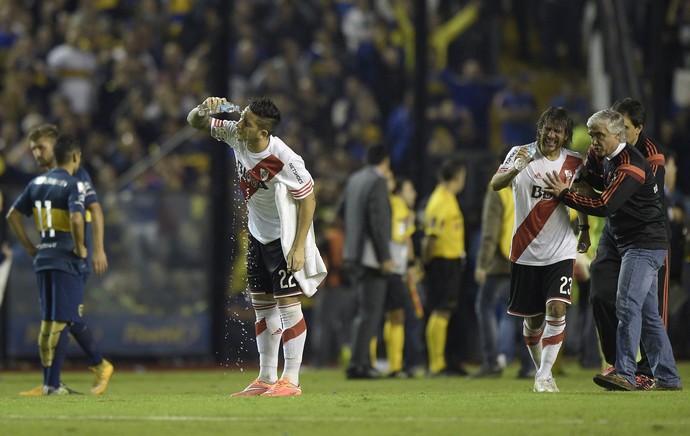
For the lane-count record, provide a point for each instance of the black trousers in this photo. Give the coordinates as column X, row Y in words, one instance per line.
column 604, row 284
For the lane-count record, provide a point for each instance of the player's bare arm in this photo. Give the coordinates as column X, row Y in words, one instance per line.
column 77, row 229
column 100, row 260
column 428, row 245
column 14, row 219
column 503, row 179
column 305, row 214
column 203, row 122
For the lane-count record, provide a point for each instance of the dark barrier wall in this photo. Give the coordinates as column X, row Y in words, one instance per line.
column 154, row 299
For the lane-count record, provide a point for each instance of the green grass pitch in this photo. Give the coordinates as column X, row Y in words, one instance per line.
column 196, row 402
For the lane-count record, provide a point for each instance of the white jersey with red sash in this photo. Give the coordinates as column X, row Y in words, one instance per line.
column 258, row 174
column 542, row 234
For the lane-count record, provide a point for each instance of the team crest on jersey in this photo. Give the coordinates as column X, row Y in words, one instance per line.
column 568, row 175
column 250, row 180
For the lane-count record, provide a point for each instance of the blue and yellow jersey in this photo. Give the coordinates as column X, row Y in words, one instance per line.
column 90, row 197
column 51, row 198
column 89, row 191
column 443, row 219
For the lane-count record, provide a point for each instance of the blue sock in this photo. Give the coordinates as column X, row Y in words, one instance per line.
column 82, row 334
column 56, row 367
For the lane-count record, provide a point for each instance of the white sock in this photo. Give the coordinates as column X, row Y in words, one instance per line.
column 268, row 334
column 551, row 342
column 294, row 338
column 533, row 342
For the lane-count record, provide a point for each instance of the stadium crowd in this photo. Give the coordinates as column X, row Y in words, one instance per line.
column 122, row 75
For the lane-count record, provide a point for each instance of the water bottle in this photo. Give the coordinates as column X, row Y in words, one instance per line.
column 225, row 107
column 520, row 163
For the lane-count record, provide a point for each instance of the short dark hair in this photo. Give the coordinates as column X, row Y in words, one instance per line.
column 450, row 169
column 376, row 153
column 559, row 116
column 631, row 108
column 65, row 146
column 268, row 113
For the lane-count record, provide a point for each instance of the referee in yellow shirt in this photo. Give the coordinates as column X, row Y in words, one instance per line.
column 444, row 259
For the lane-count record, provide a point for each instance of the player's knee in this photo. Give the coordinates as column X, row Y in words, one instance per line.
column 556, row 309
column 533, row 323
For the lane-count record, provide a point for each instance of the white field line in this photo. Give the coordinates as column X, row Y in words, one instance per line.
column 682, row 421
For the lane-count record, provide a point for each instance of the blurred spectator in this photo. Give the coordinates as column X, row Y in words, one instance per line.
column 290, row 19
column 73, row 65
column 398, row 134
column 517, row 108
column 474, row 90
column 358, row 25
column 573, row 99
column 560, row 38
column 245, row 59
column 677, row 134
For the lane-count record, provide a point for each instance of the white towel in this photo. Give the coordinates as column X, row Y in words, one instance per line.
column 314, row 270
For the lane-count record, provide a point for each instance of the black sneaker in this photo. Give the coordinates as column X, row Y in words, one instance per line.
column 487, row 372
column 525, row 374
column 362, row 373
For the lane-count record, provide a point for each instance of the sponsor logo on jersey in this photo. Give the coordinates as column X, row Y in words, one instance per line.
column 295, row 173
column 43, row 180
column 538, row 192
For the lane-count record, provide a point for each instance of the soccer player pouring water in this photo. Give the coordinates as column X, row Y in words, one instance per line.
column 632, row 206
column 543, row 246
column 264, row 163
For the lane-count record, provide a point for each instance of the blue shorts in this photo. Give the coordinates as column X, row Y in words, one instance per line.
column 61, row 295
